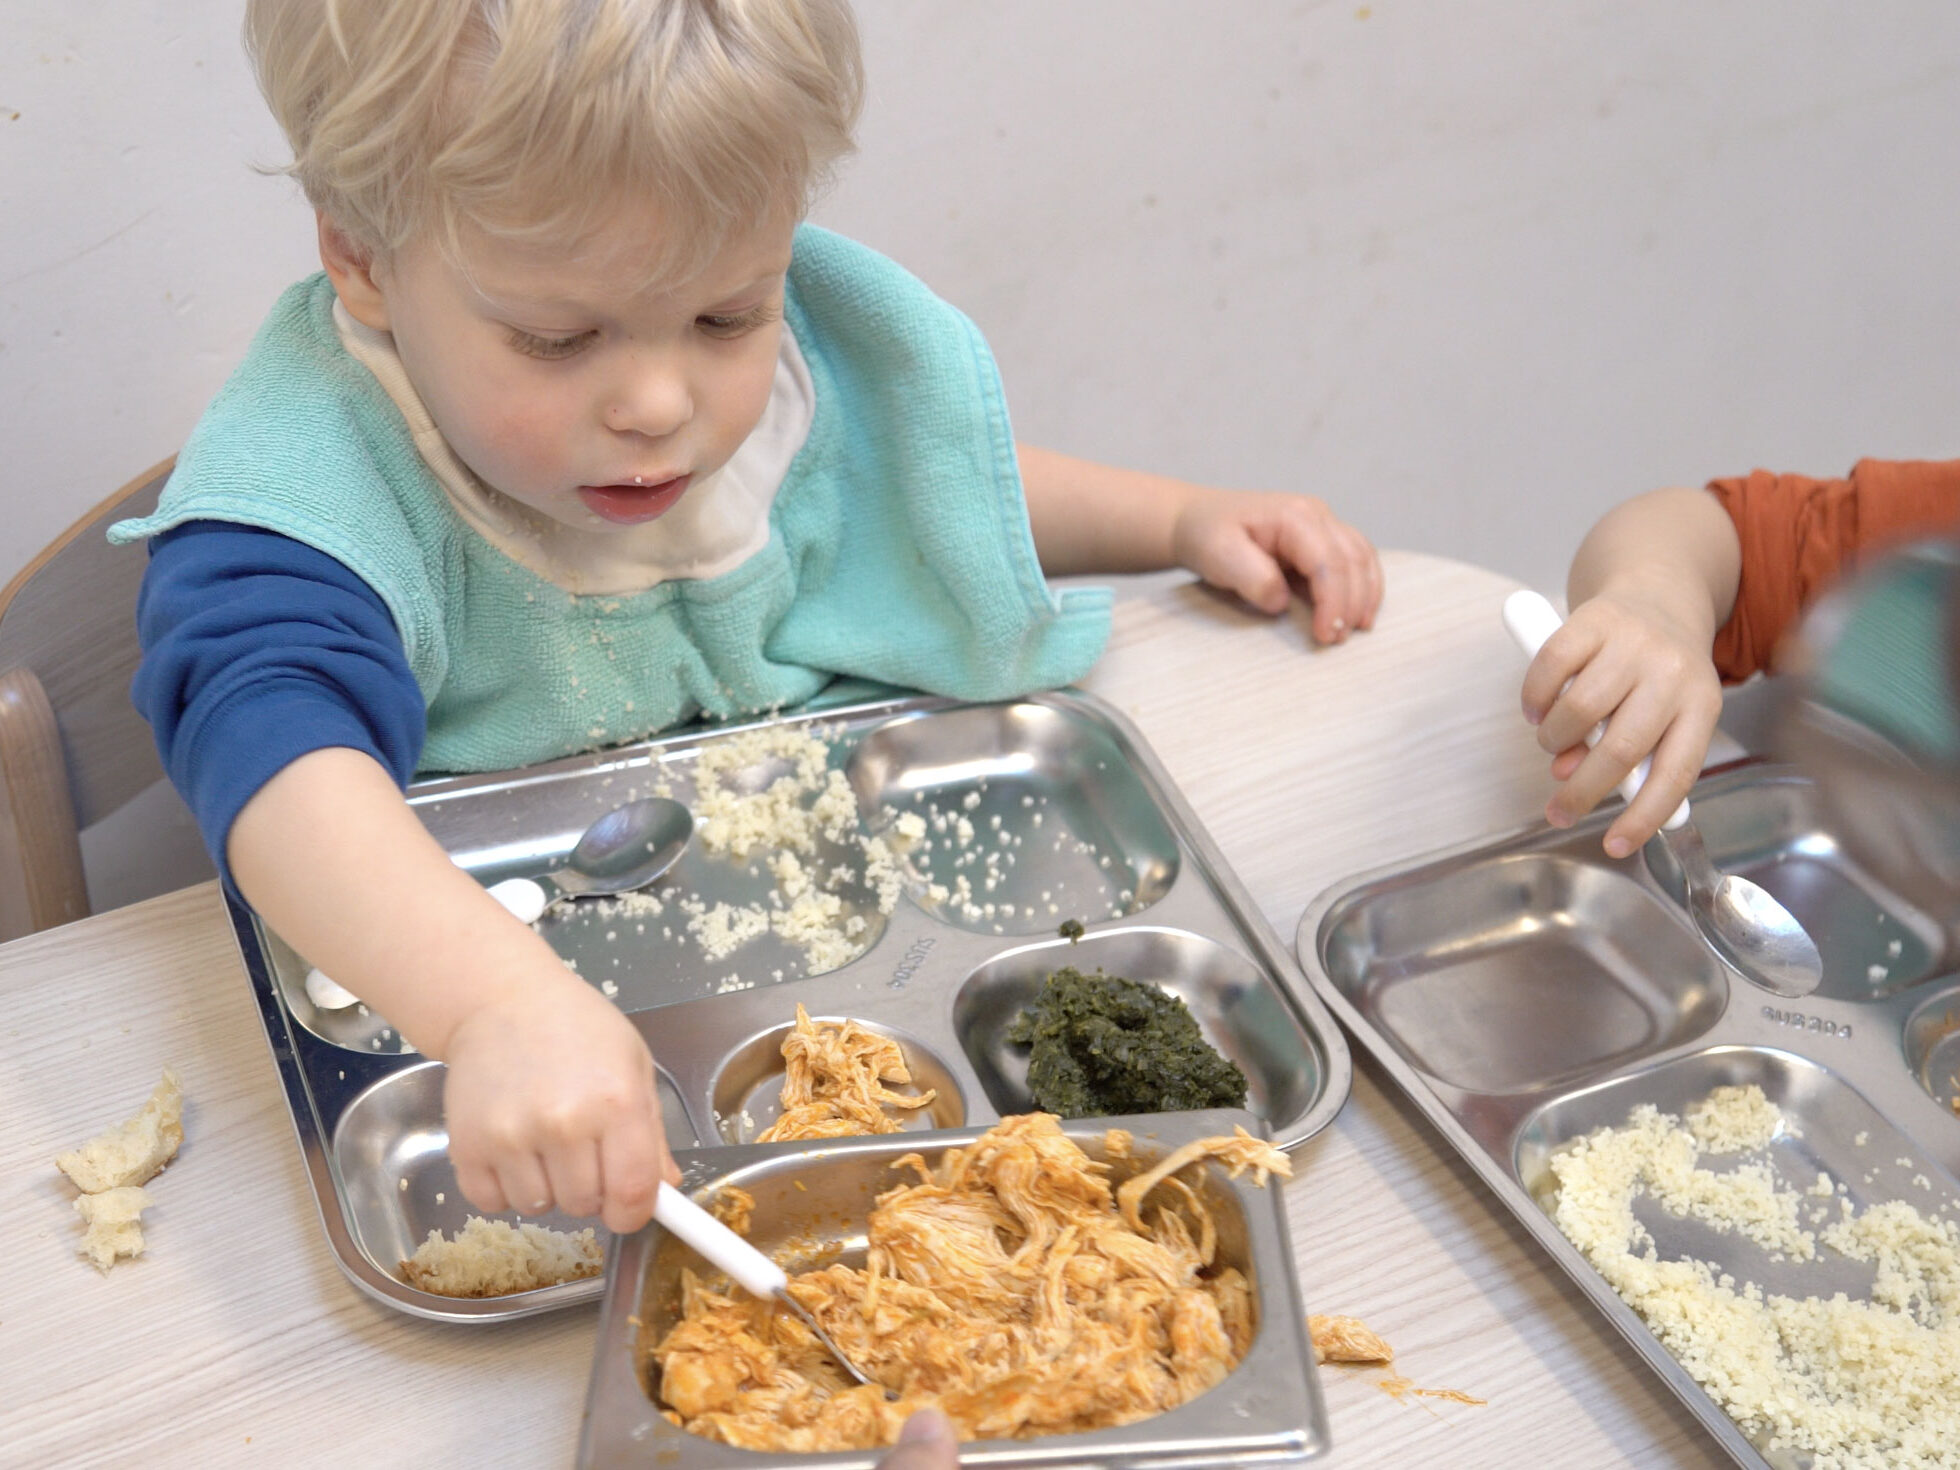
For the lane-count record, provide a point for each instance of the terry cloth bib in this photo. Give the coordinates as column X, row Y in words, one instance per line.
column 898, row 547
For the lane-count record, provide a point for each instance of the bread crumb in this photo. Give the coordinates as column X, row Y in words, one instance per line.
column 115, row 1230
column 1339, row 1339
column 135, row 1151
column 491, row 1258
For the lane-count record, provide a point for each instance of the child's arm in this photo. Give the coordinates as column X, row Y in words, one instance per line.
column 550, row 1094
column 1649, row 587
column 1096, row 518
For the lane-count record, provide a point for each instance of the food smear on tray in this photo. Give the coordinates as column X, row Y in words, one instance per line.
column 1011, row 1287
column 1102, row 1045
column 493, row 1258
column 834, row 1076
column 1858, row 1385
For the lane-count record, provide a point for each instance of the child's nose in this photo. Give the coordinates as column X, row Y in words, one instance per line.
column 652, row 399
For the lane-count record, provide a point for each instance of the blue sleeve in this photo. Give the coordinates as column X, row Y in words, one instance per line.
column 257, row 649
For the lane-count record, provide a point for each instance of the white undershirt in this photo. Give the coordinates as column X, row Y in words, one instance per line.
column 720, row 522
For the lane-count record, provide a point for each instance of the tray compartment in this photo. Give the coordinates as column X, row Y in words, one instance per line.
column 1236, row 1007
column 390, row 1152
column 1873, row 942
column 747, row 1089
column 1268, row 1411
column 1050, row 798
column 1830, row 1127
column 1932, row 1048
column 1523, row 971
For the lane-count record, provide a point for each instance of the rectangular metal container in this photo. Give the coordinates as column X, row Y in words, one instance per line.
column 1267, row 1412
column 1099, row 834
column 1528, row 990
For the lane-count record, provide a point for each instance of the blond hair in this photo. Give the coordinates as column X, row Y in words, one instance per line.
column 535, row 120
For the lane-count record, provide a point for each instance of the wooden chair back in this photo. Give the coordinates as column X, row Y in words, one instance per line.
column 72, row 747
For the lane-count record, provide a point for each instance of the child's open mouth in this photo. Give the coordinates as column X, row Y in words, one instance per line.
column 626, row 505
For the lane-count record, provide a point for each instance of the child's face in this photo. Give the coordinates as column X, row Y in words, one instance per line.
column 594, row 404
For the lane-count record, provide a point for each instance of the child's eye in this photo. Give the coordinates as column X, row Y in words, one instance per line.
column 739, row 323
column 550, row 349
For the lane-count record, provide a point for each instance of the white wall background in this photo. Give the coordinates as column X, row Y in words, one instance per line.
column 1470, row 271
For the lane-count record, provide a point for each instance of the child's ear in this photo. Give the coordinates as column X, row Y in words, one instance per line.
column 351, row 269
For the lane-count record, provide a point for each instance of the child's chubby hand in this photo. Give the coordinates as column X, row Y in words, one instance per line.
column 1258, row 544
column 1629, row 657
column 550, row 1101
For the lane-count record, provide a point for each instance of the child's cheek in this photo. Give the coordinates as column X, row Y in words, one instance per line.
column 529, row 436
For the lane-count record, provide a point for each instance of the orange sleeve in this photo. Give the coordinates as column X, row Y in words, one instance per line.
column 1798, row 535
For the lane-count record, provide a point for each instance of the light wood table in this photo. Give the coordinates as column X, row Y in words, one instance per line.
column 236, row 1340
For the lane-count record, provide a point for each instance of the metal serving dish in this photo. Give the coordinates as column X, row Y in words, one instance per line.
column 1098, row 834
column 811, row 1204
column 1529, row 990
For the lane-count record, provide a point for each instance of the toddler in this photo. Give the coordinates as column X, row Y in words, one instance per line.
column 1678, row 591
column 582, row 433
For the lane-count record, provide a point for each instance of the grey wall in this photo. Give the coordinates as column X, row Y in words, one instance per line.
column 1470, row 271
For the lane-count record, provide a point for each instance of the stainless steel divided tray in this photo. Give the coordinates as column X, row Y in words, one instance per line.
column 811, row 1204
column 1051, row 807
column 1528, row 990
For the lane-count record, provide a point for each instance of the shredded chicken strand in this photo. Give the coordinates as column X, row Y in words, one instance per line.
column 1003, row 1285
column 834, row 1076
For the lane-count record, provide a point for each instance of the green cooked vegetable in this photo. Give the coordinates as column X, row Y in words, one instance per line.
column 1100, row 1044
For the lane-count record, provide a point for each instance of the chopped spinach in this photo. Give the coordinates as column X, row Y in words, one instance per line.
column 1071, row 930
column 1100, row 1044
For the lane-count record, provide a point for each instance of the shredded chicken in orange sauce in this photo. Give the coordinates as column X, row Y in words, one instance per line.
column 833, row 1082
column 1010, row 1287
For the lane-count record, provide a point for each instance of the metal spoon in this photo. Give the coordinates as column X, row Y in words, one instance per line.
column 1758, row 938
column 627, row 848
column 756, row 1272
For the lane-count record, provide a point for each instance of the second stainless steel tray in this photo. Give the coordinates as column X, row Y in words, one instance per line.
column 1527, row 991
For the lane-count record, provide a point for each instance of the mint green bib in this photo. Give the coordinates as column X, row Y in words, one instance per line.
column 899, row 550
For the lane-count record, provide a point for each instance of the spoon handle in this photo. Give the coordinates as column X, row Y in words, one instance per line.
column 717, row 1243
column 1530, row 619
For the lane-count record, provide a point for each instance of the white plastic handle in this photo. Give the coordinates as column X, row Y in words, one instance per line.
column 522, row 897
column 1530, row 619
column 715, row 1241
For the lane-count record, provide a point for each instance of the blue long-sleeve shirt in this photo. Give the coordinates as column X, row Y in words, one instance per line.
column 257, row 649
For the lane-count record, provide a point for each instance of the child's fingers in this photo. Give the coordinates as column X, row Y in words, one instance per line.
column 1635, row 728
column 522, row 1178
column 480, row 1187
column 1676, row 766
column 1239, row 564
column 572, row 1170
column 633, row 1159
column 1323, row 559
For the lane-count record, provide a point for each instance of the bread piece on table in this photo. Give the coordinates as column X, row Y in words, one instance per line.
column 133, row 1153
column 490, row 1258
column 1338, row 1339
column 115, row 1231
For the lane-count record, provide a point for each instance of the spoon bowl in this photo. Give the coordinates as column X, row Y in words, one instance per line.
column 1743, row 923
column 627, row 848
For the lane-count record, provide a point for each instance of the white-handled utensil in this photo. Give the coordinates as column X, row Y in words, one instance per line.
column 1759, row 938
column 750, row 1268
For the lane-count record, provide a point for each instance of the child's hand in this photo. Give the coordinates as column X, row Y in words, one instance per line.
column 1255, row 544
column 1636, row 663
column 550, row 1100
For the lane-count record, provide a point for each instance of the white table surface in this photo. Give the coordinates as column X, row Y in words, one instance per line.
column 236, row 1341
